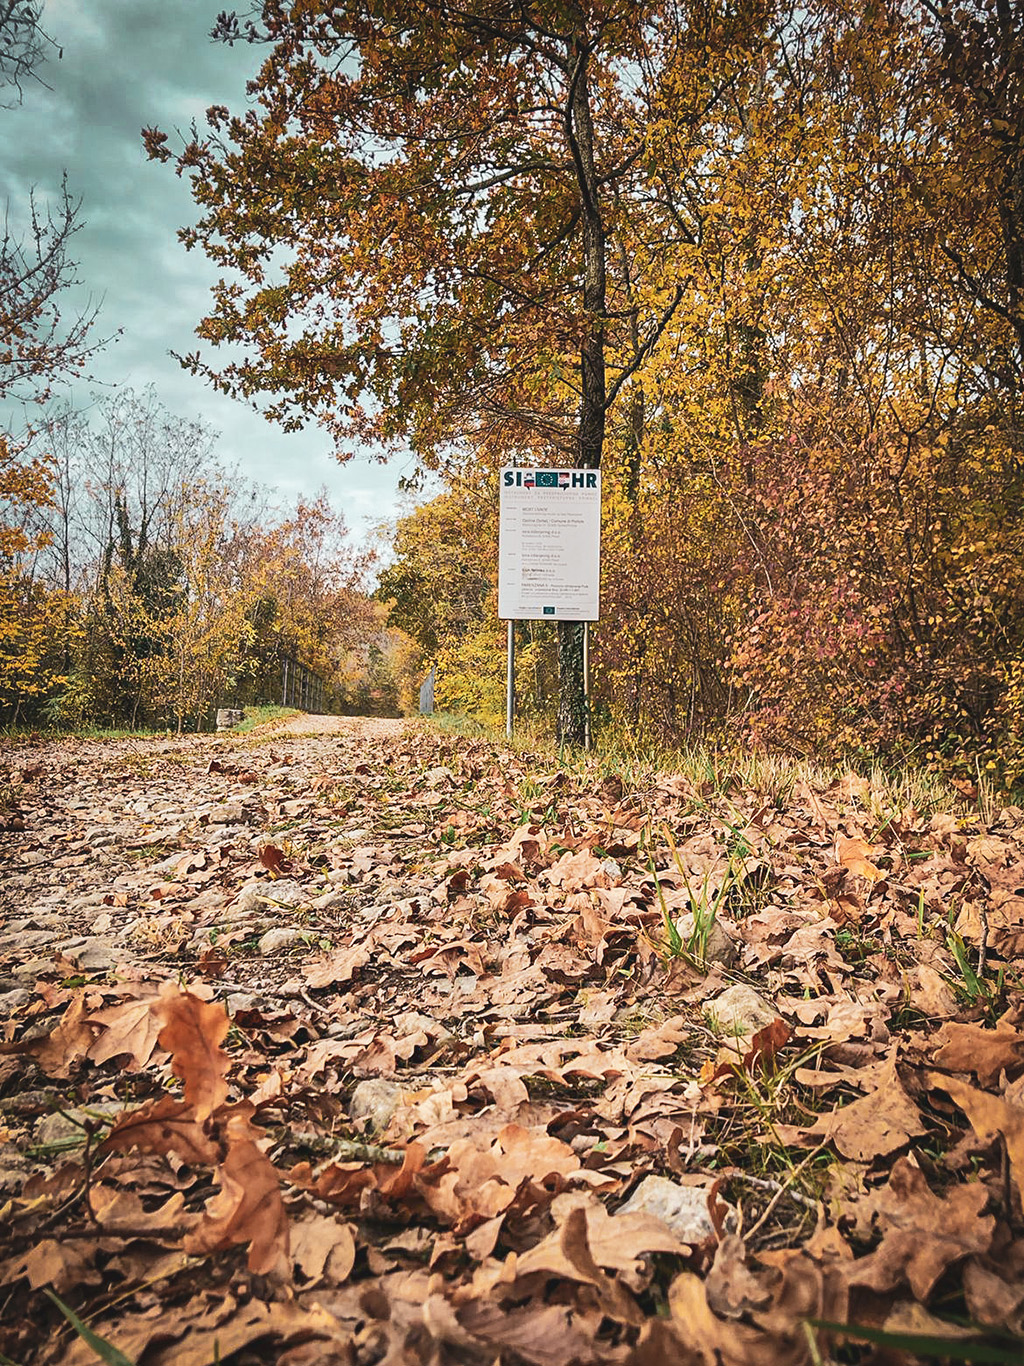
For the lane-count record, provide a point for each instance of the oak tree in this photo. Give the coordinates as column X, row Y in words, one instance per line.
column 433, row 216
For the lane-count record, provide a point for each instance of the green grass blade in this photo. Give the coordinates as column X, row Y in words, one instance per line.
column 106, row 1351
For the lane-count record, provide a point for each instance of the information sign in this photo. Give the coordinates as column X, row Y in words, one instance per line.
column 549, row 545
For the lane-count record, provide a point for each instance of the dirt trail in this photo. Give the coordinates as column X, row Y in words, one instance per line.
column 343, row 1042
column 368, row 727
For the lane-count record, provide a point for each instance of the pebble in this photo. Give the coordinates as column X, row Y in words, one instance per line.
column 281, row 938
column 375, row 1100
column 719, row 946
column 229, row 813
column 740, row 1010
column 683, row 1208
column 261, row 892
column 69, row 1123
column 93, row 954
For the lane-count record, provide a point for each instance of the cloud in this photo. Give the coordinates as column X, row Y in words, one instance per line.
column 127, row 64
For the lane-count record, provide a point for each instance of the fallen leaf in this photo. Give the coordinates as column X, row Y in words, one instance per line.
column 853, row 854
column 130, row 1030
column 923, row 1235
column 192, row 1031
column 274, row 860
column 247, row 1209
column 985, row 1052
column 989, row 1115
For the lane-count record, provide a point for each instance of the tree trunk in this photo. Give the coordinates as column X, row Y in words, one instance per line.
column 579, row 130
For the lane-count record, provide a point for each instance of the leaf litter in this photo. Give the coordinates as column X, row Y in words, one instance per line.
column 380, row 1045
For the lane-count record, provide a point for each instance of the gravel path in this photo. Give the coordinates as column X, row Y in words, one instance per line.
column 368, row 727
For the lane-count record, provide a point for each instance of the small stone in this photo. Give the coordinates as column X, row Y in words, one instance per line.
column 329, row 899
column 375, row 1100
column 683, row 1208
column 229, row 813
column 10, row 1001
column 275, row 940
column 94, row 954
column 26, row 939
column 100, row 835
column 71, row 1123
column 740, row 1010
column 260, row 893
column 718, row 947
column 241, row 1000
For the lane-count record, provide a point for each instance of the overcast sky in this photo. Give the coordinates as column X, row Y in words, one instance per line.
column 126, row 64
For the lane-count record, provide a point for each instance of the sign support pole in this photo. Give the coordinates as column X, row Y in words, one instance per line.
column 586, row 683
column 510, row 681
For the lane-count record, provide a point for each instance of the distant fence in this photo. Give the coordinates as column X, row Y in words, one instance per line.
column 301, row 687
column 427, row 693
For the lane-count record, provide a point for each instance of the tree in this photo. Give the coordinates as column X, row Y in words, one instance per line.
column 421, row 215
column 23, row 43
column 36, row 344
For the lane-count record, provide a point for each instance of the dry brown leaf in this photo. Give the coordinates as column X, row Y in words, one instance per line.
column 323, row 1248
column 129, row 1030
column 922, row 1235
column 192, row 1031
column 854, row 855
column 989, row 1115
column 546, row 1335
column 60, row 1051
column 247, row 1209
column 877, row 1124
column 994, row 1288
column 274, row 860
column 337, row 968
column 61, row 1265
column 566, row 1255
column 177, row 1337
column 166, row 1125
column 985, row 1052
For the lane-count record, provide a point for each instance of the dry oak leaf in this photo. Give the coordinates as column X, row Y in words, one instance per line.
column 989, row 1115
column 853, row 854
column 274, row 860
column 192, row 1031
column 480, row 1177
column 716, row 1342
column 165, row 1125
column 59, row 1052
column 878, row 1124
column 323, row 1248
column 338, row 967
column 248, row 1207
column 548, row 1335
column 565, row 1254
column 776, row 1300
column 130, row 1029
column 994, row 1288
column 985, row 1052
column 178, row 1337
column 62, row 1265
column 923, row 1235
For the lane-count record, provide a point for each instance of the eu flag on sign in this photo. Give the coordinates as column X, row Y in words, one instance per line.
column 547, row 479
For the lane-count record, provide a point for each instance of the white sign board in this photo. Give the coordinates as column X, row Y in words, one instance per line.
column 549, row 545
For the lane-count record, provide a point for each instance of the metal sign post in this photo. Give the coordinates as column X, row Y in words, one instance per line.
column 549, row 557
column 510, row 681
column 586, row 684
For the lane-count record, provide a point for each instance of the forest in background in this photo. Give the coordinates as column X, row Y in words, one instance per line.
column 762, row 262
column 144, row 586
column 808, row 228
